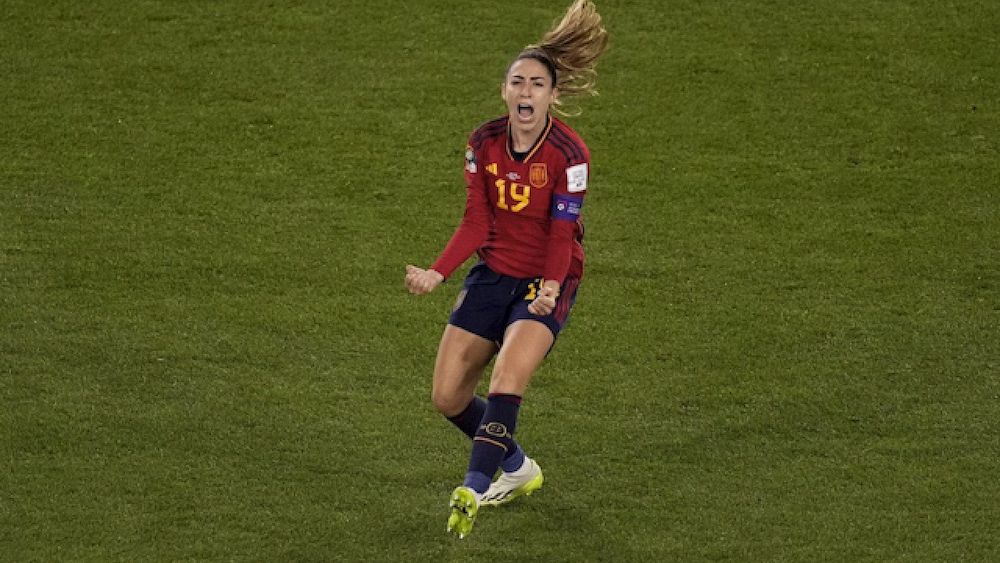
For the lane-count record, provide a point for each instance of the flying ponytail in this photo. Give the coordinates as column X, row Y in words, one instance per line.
column 570, row 51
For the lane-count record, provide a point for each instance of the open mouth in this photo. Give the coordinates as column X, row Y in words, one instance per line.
column 525, row 111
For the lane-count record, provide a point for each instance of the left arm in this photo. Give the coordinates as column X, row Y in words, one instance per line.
column 567, row 202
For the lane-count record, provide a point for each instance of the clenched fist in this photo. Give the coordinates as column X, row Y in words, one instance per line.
column 420, row 281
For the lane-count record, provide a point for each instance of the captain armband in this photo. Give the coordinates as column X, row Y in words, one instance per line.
column 566, row 207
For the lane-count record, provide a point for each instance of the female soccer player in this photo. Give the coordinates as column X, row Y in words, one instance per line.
column 526, row 176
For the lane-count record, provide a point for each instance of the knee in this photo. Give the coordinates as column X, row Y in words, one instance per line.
column 448, row 403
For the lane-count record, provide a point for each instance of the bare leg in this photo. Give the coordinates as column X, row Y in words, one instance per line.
column 524, row 348
column 461, row 359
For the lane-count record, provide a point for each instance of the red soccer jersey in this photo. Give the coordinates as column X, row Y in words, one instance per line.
column 523, row 217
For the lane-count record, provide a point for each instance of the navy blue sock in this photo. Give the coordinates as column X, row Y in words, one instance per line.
column 468, row 422
column 494, row 439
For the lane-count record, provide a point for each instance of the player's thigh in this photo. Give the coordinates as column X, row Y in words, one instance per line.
column 462, row 356
column 524, row 348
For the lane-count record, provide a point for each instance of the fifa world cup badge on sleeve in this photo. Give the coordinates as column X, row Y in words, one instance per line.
column 470, row 160
column 576, row 178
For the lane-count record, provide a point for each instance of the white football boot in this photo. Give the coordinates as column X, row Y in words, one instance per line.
column 509, row 486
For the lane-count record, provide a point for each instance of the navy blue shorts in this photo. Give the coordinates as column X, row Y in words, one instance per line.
column 490, row 302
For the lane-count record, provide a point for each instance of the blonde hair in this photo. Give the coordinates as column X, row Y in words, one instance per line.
column 570, row 51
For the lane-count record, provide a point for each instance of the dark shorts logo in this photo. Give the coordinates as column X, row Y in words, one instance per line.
column 460, row 299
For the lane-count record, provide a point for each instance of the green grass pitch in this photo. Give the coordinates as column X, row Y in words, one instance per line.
column 786, row 347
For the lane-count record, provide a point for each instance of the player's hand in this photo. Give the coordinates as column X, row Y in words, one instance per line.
column 420, row 281
column 545, row 302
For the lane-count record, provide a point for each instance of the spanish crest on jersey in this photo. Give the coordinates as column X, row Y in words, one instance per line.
column 539, row 175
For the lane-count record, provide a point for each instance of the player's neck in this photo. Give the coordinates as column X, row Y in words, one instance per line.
column 522, row 140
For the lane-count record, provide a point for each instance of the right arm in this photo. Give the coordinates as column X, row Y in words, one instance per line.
column 468, row 237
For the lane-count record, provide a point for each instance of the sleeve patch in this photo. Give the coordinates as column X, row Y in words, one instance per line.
column 576, row 178
column 566, row 207
column 470, row 160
